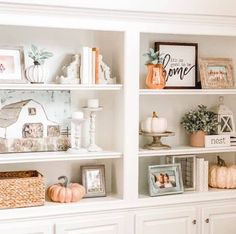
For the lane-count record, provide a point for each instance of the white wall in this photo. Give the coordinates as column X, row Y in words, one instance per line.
column 214, row 7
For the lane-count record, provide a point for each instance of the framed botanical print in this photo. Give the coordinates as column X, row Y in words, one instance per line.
column 216, row 73
column 12, row 65
column 93, row 179
column 180, row 63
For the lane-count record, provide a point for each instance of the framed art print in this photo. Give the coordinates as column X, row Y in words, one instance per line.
column 180, row 63
column 165, row 179
column 216, row 73
column 188, row 169
column 93, row 179
column 12, row 65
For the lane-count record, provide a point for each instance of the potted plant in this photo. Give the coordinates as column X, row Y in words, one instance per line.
column 199, row 123
column 156, row 77
column 36, row 72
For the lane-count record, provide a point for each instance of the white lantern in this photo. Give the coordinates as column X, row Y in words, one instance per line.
column 226, row 124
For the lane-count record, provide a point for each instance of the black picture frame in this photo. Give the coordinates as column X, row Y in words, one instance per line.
column 178, row 70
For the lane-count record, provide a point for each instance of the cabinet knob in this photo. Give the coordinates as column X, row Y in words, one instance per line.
column 207, row 220
column 194, row 221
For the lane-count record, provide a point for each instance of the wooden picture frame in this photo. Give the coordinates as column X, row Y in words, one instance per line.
column 188, row 169
column 165, row 179
column 181, row 64
column 93, row 179
column 216, row 73
column 12, row 65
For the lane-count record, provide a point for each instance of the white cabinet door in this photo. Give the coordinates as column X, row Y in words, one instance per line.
column 219, row 220
column 112, row 224
column 166, row 221
column 27, row 228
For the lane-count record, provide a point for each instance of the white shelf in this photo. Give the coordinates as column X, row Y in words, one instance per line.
column 114, row 202
column 188, row 197
column 109, row 202
column 60, row 87
column 185, row 150
column 187, row 91
column 55, row 156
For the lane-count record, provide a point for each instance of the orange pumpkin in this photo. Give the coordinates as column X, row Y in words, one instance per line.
column 64, row 192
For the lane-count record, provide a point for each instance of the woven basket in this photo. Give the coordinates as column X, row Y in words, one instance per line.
column 21, row 189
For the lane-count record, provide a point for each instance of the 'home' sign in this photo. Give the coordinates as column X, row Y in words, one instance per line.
column 217, row 141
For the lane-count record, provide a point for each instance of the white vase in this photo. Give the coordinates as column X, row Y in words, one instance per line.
column 36, row 74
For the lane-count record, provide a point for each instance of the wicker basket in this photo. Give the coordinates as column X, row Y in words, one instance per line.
column 21, row 189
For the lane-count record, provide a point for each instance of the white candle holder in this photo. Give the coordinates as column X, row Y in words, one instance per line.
column 76, row 124
column 92, row 147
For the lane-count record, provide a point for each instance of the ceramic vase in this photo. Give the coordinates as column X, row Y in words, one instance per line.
column 156, row 76
column 197, row 139
column 36, row 74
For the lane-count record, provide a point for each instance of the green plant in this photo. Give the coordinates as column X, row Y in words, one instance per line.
column 153, row 57
column 39, row 56
column 201, row 119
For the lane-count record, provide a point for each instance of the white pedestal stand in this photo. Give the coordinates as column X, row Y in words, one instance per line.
column 92, row 147
column 76, row 137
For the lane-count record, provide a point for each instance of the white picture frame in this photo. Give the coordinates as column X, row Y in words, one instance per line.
column 12, row 65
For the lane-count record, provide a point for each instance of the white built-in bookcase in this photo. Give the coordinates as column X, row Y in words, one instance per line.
column 122, row 39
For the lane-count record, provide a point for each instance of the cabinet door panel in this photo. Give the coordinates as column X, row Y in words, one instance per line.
column 218, row 220
column 166, row 222
column 26, row 228
column 100, row 225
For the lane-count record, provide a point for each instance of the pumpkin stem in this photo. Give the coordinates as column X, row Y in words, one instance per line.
column 220, row 162
column 65, row 183
column 154, row 114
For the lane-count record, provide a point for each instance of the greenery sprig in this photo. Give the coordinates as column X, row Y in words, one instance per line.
column 154, row 57
column 201, row 119
column 39, row 56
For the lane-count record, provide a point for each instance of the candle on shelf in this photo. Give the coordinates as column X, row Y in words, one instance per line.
column 93, row 103
column 78, row 115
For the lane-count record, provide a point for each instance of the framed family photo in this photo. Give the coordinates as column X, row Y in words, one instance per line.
column 11, row 65
column 93, row 179
column 165, row 179
column 180, row 63
column 216, row 73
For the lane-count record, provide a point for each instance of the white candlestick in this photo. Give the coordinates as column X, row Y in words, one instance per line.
column 93, row 103
column 78, row 115
column 76, row 124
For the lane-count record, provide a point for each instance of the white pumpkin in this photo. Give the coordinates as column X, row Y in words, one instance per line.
column 154, row 124
column 35, row 73
column 222, row 176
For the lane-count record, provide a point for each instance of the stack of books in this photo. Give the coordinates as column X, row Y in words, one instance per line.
column 233, row 140
column 202, row 175
column 90, row 67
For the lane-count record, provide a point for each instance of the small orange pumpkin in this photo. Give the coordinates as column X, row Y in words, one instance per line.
column 64, row 192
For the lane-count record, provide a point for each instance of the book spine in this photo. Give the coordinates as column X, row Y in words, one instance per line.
column 84, row 66
column 200, row 174
column 93, row 67
column 90, row 66
column 97, row 64
column 206, row 169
